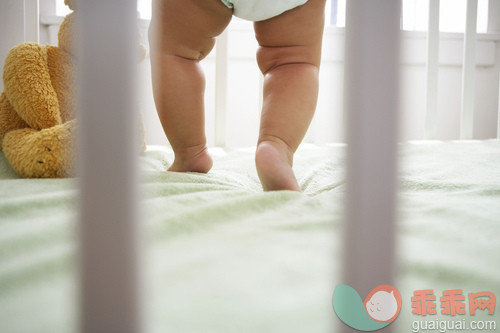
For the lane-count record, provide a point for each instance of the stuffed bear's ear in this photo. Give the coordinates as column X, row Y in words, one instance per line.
column 70, row 4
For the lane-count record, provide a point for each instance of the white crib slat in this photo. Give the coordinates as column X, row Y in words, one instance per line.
column 372, row 80
column 498, row 108
column 107, row 175
column 11, row 28
column 31, row 21
column 47, row 8
column 493, row 16
column 494, row 27
column 53, row 30
column 221, row 72
column 468, row 74
column 432, row 70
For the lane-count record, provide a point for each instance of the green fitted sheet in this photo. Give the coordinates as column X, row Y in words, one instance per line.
column 222, row 256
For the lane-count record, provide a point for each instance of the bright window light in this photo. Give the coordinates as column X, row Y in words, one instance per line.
column 143, row 9
column 451, row 15
column 335, row 10
column 61, row 8
column 414, row 14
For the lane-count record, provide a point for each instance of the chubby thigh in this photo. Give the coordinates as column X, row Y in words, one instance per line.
column 187, row 28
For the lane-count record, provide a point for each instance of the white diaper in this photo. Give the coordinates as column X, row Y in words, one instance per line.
column 259, row 10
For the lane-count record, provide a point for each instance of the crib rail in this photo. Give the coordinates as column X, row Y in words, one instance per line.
column 432, row 70
column 494, row 27
column 108, row 230
column 468, row 69
column 469, row 72
column 31, row 21
column 372, row 130
column 221, row 68
column 439, row 116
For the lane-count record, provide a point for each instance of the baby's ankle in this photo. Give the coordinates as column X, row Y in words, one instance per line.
column 192, row 159
column 274, row 159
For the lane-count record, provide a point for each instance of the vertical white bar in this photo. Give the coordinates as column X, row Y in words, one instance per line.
column 221, row 71
column 48, row 9
column 109, row 292
column 494, row 16
column 468, row 74
column 261, row 92
column 53, row 30
column 372, row 98
column 432, row 70
column 334, row 12
column 11, row 28
column 31, row 21
column 494, row 27
column 498, row 108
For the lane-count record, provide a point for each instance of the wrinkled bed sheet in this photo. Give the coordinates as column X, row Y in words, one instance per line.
column 222, row 256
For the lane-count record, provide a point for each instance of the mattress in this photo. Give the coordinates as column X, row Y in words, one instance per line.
column 223, row 256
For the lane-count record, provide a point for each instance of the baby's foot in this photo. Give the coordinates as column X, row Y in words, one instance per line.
column 193, row 159
column 274, row 166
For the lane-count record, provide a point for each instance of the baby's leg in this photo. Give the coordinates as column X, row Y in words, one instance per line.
column 289, row 57
column 182, row 33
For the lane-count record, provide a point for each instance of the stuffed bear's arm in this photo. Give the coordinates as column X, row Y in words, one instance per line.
column 28, row 86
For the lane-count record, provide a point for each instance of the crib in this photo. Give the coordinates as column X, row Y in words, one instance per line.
column 357, row 192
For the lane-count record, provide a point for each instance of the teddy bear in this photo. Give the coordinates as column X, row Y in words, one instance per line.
column 37, row 106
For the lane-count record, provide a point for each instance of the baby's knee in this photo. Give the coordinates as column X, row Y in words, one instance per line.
column 269, row 58
column 181, row 48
